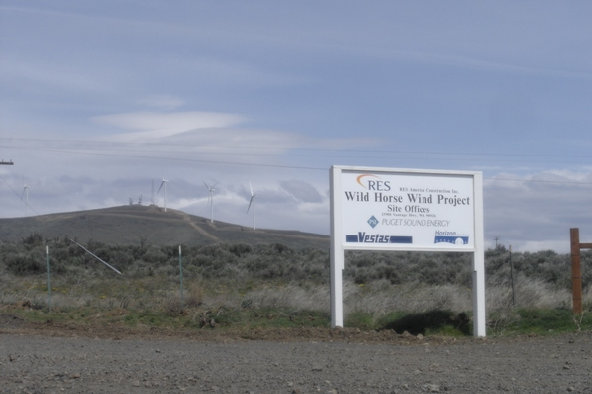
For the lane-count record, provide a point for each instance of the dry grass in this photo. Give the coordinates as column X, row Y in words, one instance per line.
column 252, row 280
column 378, row 298
column 532, row 294
column 381, row 297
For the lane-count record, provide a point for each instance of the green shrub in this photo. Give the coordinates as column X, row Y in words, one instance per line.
column 24, row 264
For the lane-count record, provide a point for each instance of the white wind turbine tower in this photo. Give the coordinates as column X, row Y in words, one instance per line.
column 26, row 194
column 211, row 190
column 252, row 203
column 153, row 201
column 163, row 184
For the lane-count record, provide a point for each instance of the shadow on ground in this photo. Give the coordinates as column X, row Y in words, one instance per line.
column 419, row 323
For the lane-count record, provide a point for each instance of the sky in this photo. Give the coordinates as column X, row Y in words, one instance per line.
column 99, row 101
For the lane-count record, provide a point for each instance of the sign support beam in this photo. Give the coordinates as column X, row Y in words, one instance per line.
column 337, row 252
column 479, row 322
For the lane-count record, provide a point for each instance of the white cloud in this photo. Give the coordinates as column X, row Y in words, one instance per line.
column 155, row 125
column 531, row 212
column 302, row 191
column 537, row 210
column 195, row 136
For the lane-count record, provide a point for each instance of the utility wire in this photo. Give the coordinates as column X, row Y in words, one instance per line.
column 288, row 166
column 162, row 155
column 134, row 146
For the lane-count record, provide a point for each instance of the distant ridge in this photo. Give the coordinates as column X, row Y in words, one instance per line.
column 132, row 224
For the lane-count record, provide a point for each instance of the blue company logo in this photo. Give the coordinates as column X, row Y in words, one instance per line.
column 452, row 239
column 373, row 222
column 362, row 237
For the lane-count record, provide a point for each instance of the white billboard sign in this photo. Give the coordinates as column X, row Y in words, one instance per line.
column 406, row 209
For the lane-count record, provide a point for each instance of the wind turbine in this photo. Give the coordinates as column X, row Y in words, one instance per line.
column 163, row 183
column 25, row 195
column 211, row 190
column 252, row 203
column 153, row 203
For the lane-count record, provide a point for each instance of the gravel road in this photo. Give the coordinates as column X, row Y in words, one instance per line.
column 40, row 363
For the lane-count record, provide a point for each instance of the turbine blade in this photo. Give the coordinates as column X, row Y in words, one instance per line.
column 250, row 202
column 160, row 187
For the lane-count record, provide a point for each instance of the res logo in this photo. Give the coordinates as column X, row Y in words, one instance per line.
column 373, row 182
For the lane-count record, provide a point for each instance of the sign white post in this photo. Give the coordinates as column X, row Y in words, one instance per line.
column 337, row 252
column 406, row 209
column 479, row 260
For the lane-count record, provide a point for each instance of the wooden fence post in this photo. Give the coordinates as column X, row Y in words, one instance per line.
column 576, row 272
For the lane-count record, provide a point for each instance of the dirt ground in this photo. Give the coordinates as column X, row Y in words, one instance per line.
column 46, row 358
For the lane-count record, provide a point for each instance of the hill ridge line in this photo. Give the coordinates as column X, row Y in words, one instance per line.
column 134, row 224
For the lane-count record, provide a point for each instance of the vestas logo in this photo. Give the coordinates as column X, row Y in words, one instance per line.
column 373, row 182
column 363, row 237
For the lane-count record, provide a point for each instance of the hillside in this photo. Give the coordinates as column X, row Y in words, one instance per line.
column 129, row 225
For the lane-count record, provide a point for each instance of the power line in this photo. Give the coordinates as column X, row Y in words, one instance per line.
column 243, row 150
column 162, row 155
column 173, row 158
column 495, row 178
